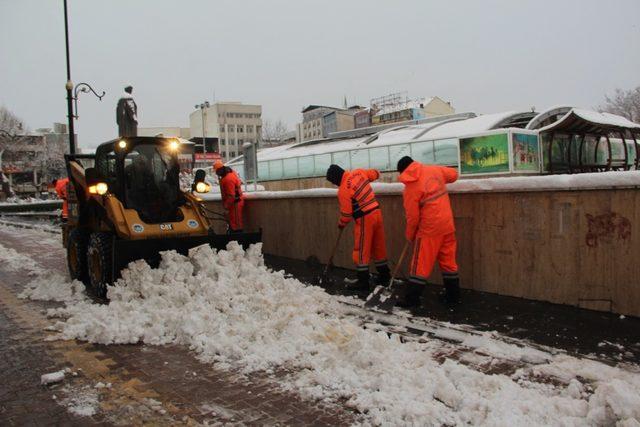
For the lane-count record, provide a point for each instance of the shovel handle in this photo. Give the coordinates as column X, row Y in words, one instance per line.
column 333, row 251
column 395, row 270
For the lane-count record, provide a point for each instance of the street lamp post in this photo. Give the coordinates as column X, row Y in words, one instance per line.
column 202, row 107
column 73, row 92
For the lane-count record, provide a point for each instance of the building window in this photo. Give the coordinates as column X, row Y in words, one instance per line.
column 232, row 154
column 249, row 128
column 240, row 128
column 221, row 128
column 240, row 141
column 222, row 142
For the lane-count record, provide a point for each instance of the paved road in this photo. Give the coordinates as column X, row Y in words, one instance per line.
column 142, row 384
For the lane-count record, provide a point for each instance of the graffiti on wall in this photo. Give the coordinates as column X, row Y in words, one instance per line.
column 606, row 228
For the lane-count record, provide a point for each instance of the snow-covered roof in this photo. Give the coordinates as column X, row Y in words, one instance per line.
column 459, row 128
column 585, row 121
column 452, row 128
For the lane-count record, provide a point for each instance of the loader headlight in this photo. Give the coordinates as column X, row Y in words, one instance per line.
column 100, row 188
column 122, row 144
column 202, row 187
column 173, row 145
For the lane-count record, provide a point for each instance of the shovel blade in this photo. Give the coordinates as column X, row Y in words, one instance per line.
column 382, row 298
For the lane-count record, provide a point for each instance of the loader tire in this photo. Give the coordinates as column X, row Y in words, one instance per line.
column 77, row 255
column 100, row 263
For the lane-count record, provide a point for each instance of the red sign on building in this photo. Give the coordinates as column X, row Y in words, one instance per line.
column 207, row 157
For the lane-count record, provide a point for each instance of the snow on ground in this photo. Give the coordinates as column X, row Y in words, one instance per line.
column 231, row 310
column 15, row 261
column 81, row 401
column 53, row 287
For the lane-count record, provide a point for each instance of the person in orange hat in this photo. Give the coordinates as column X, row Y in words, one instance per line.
column 430, row 227
column 232, row 197
column 60, row 186
column 357, row 201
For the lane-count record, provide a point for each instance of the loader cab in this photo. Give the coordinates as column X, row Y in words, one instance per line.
column 143, row 173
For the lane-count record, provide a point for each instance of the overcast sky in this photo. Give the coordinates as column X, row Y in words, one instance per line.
column 483, row 56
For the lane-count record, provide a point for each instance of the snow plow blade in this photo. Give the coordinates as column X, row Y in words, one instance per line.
column 126, row 251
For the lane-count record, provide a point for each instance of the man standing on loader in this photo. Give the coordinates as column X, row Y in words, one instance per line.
column 231, row 193
column 430, row 227
column 357, row 201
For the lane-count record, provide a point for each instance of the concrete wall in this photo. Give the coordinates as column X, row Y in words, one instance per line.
column 579, row 247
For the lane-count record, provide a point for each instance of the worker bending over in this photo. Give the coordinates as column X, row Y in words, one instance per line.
column 358, row 201
column 61, row 190
column 232, row 197
column 430, row 227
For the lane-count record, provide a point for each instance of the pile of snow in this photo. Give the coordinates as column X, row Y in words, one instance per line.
column 232, row 310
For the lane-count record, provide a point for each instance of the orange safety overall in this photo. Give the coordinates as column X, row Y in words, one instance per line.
column 232, row 199
column 61, row 191
column 358, row 202
column 429, row 217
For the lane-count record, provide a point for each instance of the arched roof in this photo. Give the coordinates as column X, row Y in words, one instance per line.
column 548, row 116
column 579, row 121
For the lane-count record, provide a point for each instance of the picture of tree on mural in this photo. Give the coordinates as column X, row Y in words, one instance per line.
column 526, row 153
column 484, row 154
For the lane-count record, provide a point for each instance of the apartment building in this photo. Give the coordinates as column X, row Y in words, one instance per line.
column 406, row 110
column 227, row 126
column 319, row 121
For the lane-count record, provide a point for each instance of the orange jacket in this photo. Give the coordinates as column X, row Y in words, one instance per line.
column 355, row 194
column 426, row 201
column 231, row 189
column 61, row 191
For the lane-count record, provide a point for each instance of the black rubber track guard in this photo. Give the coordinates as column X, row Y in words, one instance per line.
column 126, row 251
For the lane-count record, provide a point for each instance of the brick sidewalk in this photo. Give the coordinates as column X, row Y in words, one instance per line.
column 160, row 385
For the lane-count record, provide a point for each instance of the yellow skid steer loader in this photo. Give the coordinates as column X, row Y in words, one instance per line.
column 129, row 206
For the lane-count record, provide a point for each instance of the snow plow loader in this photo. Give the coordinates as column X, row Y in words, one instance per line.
column 128, row 206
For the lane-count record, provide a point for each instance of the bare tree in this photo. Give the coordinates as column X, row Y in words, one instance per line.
column 273, row 131
column 623, row 103
column 11, row 137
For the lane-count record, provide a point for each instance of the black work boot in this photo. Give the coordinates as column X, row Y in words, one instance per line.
column 384, row 275
column 451, row 294
column 362, row 285
column 412, row 296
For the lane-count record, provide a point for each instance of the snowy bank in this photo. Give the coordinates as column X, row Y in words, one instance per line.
column 232, row 310
column 585, row 181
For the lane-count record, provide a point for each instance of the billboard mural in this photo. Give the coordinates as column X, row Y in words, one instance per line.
column 526, row 153
column 484, row 154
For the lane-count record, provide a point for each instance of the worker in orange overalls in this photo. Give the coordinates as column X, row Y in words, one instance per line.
column 232, row 197
column 61, row 190
column 430, row 227
column 357, row 201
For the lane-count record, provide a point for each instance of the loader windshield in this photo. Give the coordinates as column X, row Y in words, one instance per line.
column 151, row 183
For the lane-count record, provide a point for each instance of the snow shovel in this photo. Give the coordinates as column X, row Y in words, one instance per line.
column 385, row 298
column 325, row 274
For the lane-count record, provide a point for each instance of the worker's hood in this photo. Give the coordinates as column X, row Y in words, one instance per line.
column 411, row 173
